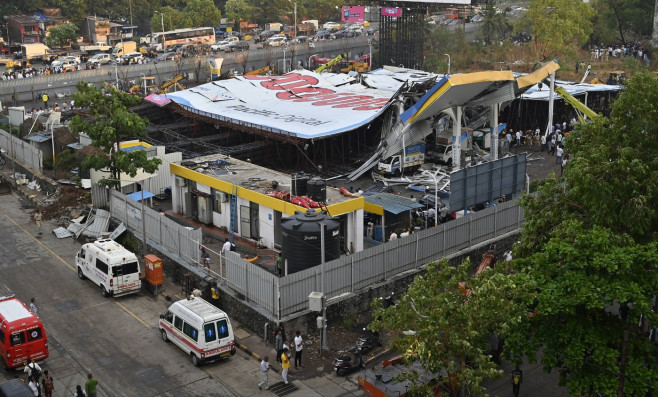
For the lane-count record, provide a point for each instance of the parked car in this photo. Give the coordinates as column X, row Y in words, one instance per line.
column 331, row 26
column 222, row 45
column 167, row 56
column 276, row 42
column 130, row 58
column 68, row 65
column 372, row 31
column 238, row 46
column 100, row 59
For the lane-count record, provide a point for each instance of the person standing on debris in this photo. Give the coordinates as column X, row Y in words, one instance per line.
column 264, row 369
column 299, row 349
column 278, row 345
column 45, row 99
column 517, row 379
column 37, row 219
column 285, row 365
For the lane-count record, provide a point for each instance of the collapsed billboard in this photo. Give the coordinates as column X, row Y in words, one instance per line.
column 302, row 103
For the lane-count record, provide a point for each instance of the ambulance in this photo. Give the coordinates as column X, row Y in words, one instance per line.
column 22, row 336
column 200, row 329
column 110, row 266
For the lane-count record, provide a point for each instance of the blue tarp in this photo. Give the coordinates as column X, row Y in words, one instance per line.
column 137, row 196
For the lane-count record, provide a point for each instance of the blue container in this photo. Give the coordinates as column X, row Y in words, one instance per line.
column 377, row 234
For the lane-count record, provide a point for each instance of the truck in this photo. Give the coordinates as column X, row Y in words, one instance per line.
column 414, row 156
column 442, row 152
column 274, row 26
column 124, row 48
column 100, row 46
column 38, row 51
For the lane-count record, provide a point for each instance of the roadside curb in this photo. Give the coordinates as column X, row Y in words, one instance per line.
column 254, row 355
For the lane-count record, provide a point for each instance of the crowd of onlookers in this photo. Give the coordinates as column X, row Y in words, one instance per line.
column 631, row 50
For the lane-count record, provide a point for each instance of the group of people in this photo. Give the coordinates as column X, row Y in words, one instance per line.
column 636, row 51
column 283, row 355
column 46, row 386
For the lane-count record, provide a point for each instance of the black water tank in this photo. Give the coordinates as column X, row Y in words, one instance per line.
column 299, row 182
column 301, row 240
column 316, row 188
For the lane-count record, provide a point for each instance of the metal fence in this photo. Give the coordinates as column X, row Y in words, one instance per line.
column 376, row 264
column 178, row 241
column 287, row 295
column 21, row 151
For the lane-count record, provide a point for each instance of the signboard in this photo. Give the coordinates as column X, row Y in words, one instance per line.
column 301, row 103
column 486, row 182
column 215, row 66
column 391, row 12
column 160, row 100
column 353, row 14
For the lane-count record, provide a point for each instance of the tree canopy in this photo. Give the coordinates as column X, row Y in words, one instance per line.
column 62, row 35
column 447, row 326
column 589, row 242
column 109, row 123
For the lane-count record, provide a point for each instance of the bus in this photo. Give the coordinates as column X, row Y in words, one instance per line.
column 183, row 36
column 22, row 336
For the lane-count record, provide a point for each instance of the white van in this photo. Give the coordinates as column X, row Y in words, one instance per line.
column 202, row 330
column 111, row 266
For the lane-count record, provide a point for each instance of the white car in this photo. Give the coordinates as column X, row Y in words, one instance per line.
column 331, row 26
column 100, row 59
column 276, row 41
column 70, row 65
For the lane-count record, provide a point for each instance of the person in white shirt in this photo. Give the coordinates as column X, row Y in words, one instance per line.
column 393, row 236
column 299, row 349
column 34, row 386
column 405, row 233
column 558, row 157
column 264, row 369
column 33, row 370
column 431, row 214
column 227, row 246
column 508, row 256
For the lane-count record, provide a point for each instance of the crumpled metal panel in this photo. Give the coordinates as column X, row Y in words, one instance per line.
column 99, row 226
column 60, row 232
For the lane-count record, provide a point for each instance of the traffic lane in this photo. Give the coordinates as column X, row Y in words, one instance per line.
column 127, row 357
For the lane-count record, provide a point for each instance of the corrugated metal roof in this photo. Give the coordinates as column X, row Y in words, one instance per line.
column 100, row 224
column 392, row 203
column 40, row 137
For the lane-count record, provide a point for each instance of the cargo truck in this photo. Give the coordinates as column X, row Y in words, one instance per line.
column 38, row 51
column 124, row 48
column 100, row 46
column 414, row 156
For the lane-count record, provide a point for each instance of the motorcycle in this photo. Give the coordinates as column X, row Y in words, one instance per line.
column 351, row 362
column 368, row 341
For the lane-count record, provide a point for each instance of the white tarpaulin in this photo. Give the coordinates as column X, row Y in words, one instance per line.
column 301, row 103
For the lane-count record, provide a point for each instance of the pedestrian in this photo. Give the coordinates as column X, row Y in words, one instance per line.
column 37, row 219
column 14, row 98
column 45, row 99
column 517, row 379
column 518, row 138
column 227, row 246
column 90, row 386
column 278, row 345
column 285, row 365
column 558, row 157
column 393, row 236
column 279, row 265
column 299, row 349
column 48, row 384
column 543, row 143
column 79, row 392
column 564, row 162
column 33, row 306
column 34, row 386
column 33, row 370
column 205, row 257
column 264, row 369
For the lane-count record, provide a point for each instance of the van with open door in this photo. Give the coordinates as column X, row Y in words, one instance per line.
column 110, row 266
column 201, row 330
column 22, row 336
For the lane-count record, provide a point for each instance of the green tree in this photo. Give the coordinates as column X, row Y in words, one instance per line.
column 558, row 25
column 171, row 18
column 494, row 25
column 622, row 21
column 62, row 35
column 109, row 123
column 589, row 242
column 446, row 326
column 202, row 13
column 239, row 10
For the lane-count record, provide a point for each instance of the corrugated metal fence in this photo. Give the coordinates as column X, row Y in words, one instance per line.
column 287, row 295
column 179, row 241
column 21, row 150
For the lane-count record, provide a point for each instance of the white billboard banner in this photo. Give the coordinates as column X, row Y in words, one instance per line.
column 301, row 103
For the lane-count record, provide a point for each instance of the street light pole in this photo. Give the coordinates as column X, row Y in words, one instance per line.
column 370, row 54
column 309, row 60
column 448, row 62
column 295, row 19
